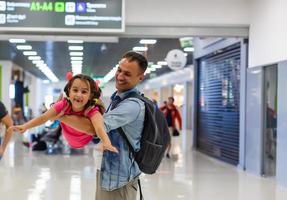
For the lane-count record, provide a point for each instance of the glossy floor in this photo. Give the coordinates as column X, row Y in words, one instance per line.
column 190, row 175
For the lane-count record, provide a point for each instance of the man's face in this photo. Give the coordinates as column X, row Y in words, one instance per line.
column 128, row 75
column 169, row 101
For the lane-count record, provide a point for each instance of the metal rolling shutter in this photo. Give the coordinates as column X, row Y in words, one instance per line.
column 218, row 104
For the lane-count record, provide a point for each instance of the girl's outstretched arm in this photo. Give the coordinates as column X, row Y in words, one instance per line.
column 8, row 123
column 50, row 114
column 98, row 123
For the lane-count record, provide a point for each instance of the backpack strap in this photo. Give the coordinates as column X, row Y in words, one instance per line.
column 140, row 187
column 115, row 103
column 121, row 131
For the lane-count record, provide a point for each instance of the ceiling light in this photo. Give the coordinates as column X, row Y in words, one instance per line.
column 77, row 62
column 76, row 53
column 185, row 38
column 162, row 63
column 46, row 81
column 23, row 47
column 140, row 49
column 30, row 53
column 50, row 75
column 41, row 65
column 34, row 58
column 188, row 49
column 17, row 41
column 75, row 41
column 77, row 70
column 76, row 58
column 147, row 71
column 156, row 66
column 76, row 65
column 38, row 62
column 76, row 48
column 147, row 41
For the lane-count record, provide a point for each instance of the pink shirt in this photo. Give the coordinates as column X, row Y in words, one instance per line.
column 75, row 138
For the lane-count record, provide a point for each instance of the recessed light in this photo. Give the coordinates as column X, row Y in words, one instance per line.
column 17, row 41
column 76, row 62
column 34, row 58
column 76, row 53
column 75, row 41
column 140, row 49
column 41, row 65
column 147, row 41
column 188, row 49
column 76, row 58
column 24, row 47
column 38, row 62
column 46, row 81
column 76, row 48
column 30, row 53
column 156, row 66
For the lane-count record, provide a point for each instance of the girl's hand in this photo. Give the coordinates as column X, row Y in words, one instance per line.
column 21, row 128
column 110, row 147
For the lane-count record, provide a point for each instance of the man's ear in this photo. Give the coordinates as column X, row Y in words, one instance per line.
column 141, row 77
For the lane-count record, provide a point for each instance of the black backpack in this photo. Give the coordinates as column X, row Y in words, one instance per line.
column 155, row 136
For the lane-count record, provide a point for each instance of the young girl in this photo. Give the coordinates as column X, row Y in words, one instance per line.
column 82, row 99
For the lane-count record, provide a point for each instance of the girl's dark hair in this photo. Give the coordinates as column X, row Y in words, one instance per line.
column 94, row 99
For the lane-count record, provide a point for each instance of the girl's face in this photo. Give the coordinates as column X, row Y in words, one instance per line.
column 79, row 94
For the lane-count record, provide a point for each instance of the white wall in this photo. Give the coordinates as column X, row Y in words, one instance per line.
column 6, row 79
column 188, row 12
column 268, row 31
column 36, row 96
column 180, row 76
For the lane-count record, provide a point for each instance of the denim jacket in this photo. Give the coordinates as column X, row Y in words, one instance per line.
column 118, row 169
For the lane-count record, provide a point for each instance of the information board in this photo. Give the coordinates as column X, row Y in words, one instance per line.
column 62, row 16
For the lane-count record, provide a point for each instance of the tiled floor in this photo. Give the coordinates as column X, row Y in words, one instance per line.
column 191, row 176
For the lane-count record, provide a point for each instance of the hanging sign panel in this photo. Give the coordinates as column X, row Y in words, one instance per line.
column 62, row 16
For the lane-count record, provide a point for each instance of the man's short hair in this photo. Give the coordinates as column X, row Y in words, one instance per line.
column 138, row 57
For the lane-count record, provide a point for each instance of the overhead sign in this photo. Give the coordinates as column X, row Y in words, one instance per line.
column 61, row 16
column 176, row 59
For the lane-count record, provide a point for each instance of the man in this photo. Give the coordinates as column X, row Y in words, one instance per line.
column 7, row 121
column 171, row 114
column 118, row 175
